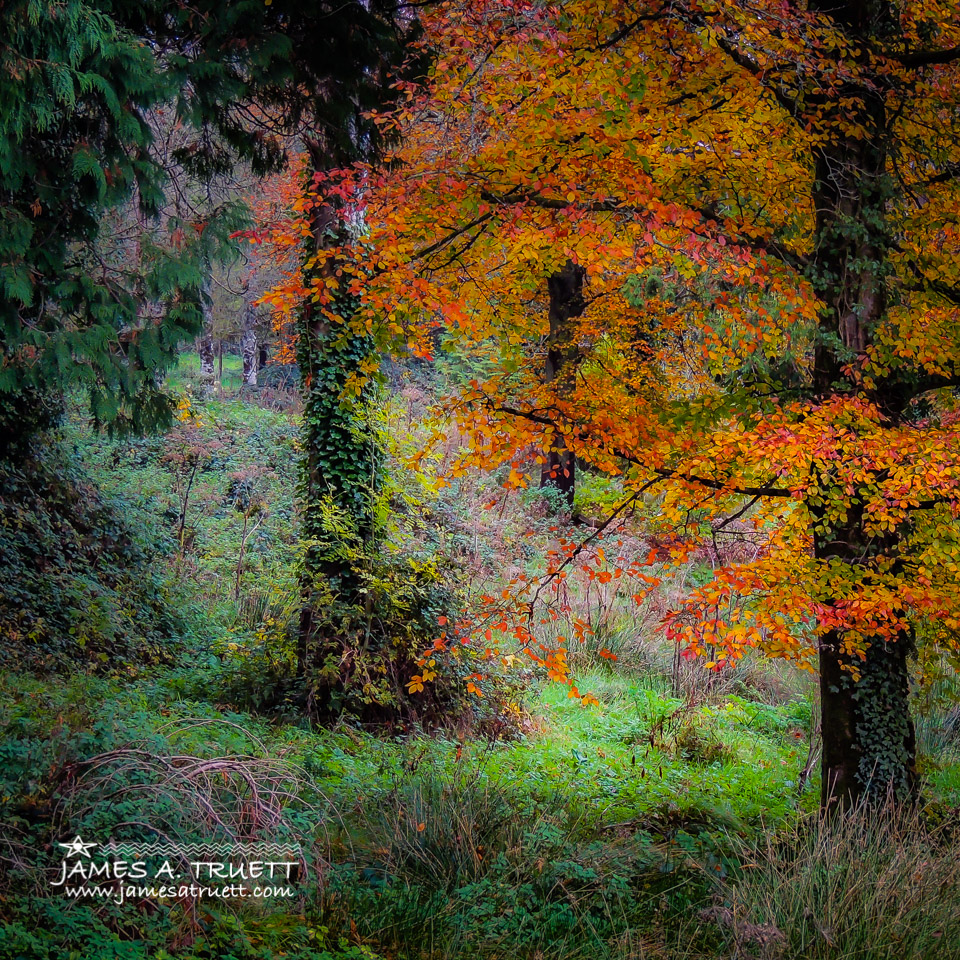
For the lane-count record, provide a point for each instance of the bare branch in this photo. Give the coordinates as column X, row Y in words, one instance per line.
column 926, row 58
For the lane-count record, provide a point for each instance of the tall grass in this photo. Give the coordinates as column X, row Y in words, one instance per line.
column 868, row 886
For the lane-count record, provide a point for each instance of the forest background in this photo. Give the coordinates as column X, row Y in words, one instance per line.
column 578, row 575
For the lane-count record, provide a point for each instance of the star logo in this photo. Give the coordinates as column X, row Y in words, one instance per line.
column 77, row 848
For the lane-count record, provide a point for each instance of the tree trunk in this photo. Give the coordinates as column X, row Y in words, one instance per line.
column 869, row 743
column 248, row 346
column 263, row 357
column 565, row 288
column 205, row 342
column 341, row 470
column 869, row 746
column 205, row 349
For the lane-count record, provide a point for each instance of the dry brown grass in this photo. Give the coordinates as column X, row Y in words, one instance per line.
column 874, row 885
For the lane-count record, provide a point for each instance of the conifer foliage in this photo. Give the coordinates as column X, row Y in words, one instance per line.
column 77, row 85
column 82, row 83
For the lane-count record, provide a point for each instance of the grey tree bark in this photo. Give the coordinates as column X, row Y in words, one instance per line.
column 248, row 346
column 205, row 349
column 205, row 341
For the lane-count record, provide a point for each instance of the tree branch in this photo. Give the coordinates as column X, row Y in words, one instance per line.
column 789, row 104
column 626, row 30
column 450, row 237
column 736, row 516
column 580, row 547
column 926, row 58
column 710, row 484
column 764, row 490
column 615, row 205
column 950, row 172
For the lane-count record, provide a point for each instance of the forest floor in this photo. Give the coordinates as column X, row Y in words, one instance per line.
column 672, row 819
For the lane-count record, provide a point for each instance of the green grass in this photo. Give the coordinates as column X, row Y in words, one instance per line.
column 621, row 830
column 187, row 372
column 482, row 840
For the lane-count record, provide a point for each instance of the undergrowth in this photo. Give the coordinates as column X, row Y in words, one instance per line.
column 81, row 582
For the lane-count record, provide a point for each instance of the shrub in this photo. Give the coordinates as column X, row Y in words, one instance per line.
column 79, row 583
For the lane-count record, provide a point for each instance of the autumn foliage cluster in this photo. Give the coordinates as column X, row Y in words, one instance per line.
column 756, row 206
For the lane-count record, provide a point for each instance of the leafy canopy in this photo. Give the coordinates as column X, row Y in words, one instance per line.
column 764, row 199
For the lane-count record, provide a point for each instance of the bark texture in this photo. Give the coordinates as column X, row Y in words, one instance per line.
column 565, row 289
column 205, row 341
column 869, row 745
column 248, row 345
column 205, row 349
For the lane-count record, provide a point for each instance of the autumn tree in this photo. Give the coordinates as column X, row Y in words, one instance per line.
column 763, row 202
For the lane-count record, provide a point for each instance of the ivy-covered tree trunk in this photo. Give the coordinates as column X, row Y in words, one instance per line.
column 342, row 464
column 869, row 746
column 565, row 288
